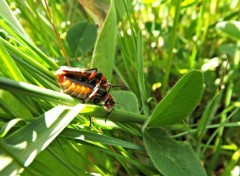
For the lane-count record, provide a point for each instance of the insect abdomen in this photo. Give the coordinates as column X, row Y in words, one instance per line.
column 74, row 89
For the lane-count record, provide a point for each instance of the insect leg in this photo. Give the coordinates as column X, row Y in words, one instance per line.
column 90, row 121
column 108, row 113
column 110, row 87
column 93, row 92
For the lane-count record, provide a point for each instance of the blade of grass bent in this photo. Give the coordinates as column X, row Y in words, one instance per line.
column 64, row 99
column 21, row 147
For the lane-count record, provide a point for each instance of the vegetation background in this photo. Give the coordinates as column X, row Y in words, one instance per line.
column 146, row 46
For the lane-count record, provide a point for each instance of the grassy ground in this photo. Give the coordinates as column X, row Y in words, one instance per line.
column 146, row 46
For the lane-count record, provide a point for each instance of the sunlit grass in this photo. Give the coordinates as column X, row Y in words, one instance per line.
column 157, row 43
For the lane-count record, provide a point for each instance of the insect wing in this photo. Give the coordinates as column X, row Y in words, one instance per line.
column 81, row 89
column 77, row 70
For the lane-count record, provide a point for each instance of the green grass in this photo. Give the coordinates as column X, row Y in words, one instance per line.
column 178, row 60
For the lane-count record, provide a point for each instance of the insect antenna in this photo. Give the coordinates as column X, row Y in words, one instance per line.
column 119, row 86
column 56, row 32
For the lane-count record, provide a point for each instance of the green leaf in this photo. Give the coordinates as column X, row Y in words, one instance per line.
column 103, row 139
column 13, row 106
column 6, row 14
column 8, row 66
column 179, row 102
column 120, row 8
column 81, row 38
column 231, row 28
column 20, row 148
column 126, row 101
column 171, row 158
column 228, row 48
column 8, row 126
column 27, row 59
column 104, row 51
column 61, row 160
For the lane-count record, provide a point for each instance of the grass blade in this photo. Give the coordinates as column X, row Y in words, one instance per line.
column 21, row 147
column 57, row 97
column 141, row 79
column 103, row 139
column 104, row 50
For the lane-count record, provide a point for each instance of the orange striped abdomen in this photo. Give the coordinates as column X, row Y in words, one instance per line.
column 74, row 89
